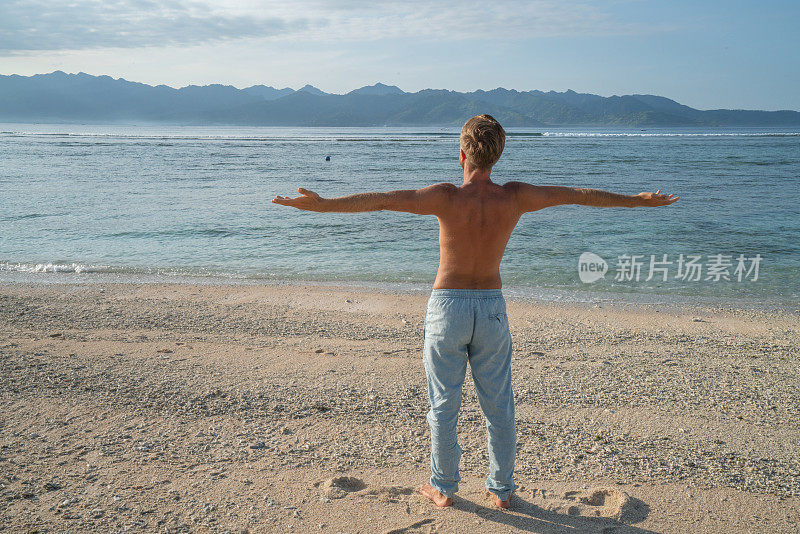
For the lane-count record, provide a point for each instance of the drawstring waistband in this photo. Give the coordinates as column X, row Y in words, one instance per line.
column 467, row 293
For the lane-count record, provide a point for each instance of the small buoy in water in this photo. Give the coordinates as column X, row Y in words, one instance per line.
column 327, row 158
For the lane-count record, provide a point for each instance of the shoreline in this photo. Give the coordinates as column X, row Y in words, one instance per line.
column 510, row 291
column 202, row 408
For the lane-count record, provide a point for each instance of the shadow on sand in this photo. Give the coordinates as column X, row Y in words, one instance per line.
column 526, row 516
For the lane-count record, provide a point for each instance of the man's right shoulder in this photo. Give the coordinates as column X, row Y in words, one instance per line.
column 433, row 199
column 440, row 190
column 443, row 187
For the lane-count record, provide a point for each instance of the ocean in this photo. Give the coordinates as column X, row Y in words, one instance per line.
column 168, row 203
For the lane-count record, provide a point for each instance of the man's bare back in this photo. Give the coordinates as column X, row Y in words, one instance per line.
column 475, row 224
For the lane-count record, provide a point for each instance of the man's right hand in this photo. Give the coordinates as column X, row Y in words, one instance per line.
column 308, row 201
column 655, row 199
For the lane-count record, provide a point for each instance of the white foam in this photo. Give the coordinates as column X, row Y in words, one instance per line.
column 338, row 136
column 76, row 268
column 668, row 134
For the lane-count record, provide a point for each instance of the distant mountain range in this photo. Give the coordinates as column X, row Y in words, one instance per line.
column 61, row 97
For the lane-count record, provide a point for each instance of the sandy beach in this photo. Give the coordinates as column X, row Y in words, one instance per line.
column 288, row 408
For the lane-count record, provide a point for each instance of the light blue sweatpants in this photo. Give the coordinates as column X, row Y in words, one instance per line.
column 469, row 325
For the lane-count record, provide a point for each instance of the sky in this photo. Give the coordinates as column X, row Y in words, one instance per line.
column 704, row 53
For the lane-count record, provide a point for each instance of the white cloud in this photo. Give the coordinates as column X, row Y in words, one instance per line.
column 29, row 25
column 469, row 20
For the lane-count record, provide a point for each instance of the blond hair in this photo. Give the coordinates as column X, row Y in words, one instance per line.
column 483, row 140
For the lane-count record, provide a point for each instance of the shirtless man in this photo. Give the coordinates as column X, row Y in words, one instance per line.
column 466, row 320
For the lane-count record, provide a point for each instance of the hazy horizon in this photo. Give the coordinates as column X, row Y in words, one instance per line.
column 346, row 91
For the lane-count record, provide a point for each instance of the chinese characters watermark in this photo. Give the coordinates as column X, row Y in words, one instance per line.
column 686, row 267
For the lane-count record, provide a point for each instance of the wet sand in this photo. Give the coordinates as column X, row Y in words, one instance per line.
column 189, row 408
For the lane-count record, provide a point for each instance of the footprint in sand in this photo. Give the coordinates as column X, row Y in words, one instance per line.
column 604, row 502
column 387, row 493
column 340, row 487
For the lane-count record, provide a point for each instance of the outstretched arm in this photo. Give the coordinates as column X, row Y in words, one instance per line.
column 535, row 197
column 425, row 201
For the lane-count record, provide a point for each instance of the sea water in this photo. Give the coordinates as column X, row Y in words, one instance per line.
column 87, row 202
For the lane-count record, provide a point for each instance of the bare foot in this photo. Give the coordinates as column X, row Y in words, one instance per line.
column 435, row 495
column 498, row 502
